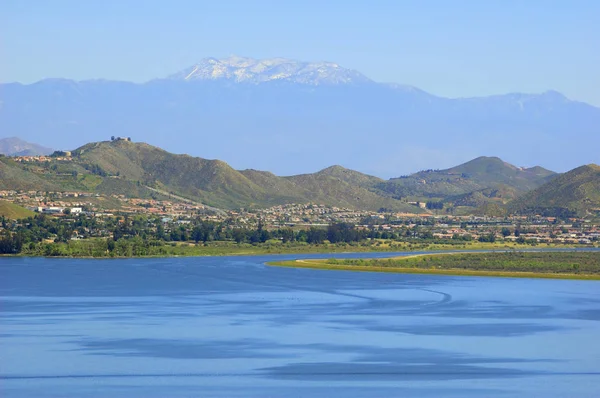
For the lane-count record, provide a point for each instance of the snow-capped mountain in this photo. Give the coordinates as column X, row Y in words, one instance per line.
column 255, row 71
column 321, row 114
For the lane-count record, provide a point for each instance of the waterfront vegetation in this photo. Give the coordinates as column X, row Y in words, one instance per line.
column 544, row 264
column 138, row 247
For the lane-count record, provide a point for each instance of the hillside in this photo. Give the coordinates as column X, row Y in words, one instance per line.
column 209, row 181
column 335, row 191
column 483, row 177
column 350, row 176
column 577, row 191
column 13, row 211
column 14, row 176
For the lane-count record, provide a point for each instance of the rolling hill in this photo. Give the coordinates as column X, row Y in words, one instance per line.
column 577, row 191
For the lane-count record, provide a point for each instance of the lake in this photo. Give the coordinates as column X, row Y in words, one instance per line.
column 233, row 327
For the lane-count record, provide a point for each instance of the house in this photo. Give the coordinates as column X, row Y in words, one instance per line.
column 51, row 210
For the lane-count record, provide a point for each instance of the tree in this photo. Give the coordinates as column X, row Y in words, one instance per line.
column 287, row 235
column 505, row 232
column 316, row 235
column 427, row 235
column 434, row 205
column 239, row 235
column 491, row 237
column 302, row 236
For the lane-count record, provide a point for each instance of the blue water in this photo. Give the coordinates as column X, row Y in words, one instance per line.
column 233, row 327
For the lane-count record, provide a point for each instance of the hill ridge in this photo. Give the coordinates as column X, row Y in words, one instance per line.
column 576, row 192
column 138, row 168
column 216, row 183
column 485, row 175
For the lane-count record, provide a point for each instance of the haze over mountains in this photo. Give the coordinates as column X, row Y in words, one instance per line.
column 292, row 117
column 13, row 146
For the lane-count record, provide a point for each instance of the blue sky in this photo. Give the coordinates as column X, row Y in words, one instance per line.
column 450, row 48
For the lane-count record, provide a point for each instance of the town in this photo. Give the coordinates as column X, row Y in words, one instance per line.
column 179, row 215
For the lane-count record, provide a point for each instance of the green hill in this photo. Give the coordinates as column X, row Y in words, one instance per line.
column 13, row 211
column 577, row 191
column 209, row 181
column 215, row 183
column 484, row 174
column 327, row 189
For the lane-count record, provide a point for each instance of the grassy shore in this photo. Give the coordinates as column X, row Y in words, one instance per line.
column 555, row 265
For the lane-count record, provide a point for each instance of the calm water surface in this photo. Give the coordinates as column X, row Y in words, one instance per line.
column 233, row 327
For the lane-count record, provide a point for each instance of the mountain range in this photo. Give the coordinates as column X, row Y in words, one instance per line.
column 290, row 117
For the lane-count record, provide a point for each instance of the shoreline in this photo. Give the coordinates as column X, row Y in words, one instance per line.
column 320, row 264
column 423, row 250
column 426, row 251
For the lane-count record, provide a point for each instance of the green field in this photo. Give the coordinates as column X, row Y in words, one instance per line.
column 561, row 265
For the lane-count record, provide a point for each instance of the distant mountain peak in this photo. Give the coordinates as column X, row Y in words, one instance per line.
column 255, row 71
column 14, row 146
column 553, row 94
column 334, row 168
column 485, row 162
